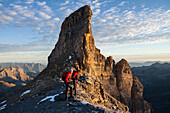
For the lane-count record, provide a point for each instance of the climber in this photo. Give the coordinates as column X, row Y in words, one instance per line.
column 75, row 77
column 67, row 79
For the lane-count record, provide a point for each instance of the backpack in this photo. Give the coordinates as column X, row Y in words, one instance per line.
column 64, row 76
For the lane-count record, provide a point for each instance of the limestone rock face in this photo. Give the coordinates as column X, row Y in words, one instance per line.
column 75, row 42
column 76, row 47
column 130, row 88
column 139, row 104
column 137, row 95
column 103, row 82
column 124, row 81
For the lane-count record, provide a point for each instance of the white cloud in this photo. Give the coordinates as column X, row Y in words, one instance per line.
column 47, row 9
column 122, row 3
column 11, row 13
column 96, row 12
column 131, row 27
column 41, row 3
column 95, row 1
column 19, row 7
column 102, row 20
column 44, row 15
column 6, row 18
column 111, row 11
column 62, row 8
column 134, row 7
column 31, row 14
column 1, row 5
column 37, row 29
column 29, row 1
column 96, row 5
column 68, row 12
column 65, row 3
column 56, row 19
column 54, row 41
column 27, row 13
column 113, row 26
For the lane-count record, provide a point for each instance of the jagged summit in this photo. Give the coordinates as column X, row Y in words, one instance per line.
column 104, row 82
column 75, row 39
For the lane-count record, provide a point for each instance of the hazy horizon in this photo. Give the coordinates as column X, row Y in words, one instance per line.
column 131, row 63
column 137, row 31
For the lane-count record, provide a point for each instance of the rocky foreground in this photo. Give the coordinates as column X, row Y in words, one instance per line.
column 52, row 100
column 105, row 86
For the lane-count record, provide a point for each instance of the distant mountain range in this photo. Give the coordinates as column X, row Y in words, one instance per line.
column 27, row 67
column 15, row 75
column 156, row 81
column 148, row 63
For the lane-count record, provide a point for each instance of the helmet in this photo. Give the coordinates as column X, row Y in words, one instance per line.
column 70, row 70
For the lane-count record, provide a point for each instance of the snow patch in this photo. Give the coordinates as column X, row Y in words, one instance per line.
column 49, row 97
column 3, row 102
column 3, row 107
column 28, row 91
column 84, row 103
column 61, row 92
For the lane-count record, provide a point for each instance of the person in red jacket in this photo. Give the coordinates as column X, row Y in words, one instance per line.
column 67, row 79
column 75, row 77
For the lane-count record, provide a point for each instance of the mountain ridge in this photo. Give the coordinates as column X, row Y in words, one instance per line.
column 13, row 76
column 156, row 81
column 28, row 67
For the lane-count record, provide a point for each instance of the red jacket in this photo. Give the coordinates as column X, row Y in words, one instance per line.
column 75, row 75
column 67, row 77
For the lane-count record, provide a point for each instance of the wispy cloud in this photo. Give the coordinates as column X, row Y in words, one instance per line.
column 18, row 7
column 44, row 22
column 111, row 26
column 41, row 3
column 44, row 15
column 122, row 3
column 4, row 19
column 29, row 1
column 68, row 11
column 28, row 47
column 9, row 12
column 96, row 12
column 131, row 27
column 65, row 3
column 1, row 5
column 26, row 56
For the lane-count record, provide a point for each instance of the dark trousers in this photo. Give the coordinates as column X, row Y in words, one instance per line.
column 75, row 85
column 68, row 86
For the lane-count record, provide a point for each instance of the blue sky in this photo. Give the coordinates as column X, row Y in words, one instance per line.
column 137, row 30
